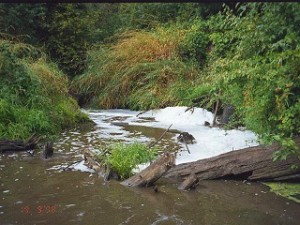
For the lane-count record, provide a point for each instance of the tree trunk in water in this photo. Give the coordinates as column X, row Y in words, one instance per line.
column 152, row 173
column 254, row 163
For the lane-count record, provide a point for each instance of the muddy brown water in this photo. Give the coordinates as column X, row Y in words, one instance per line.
column 33, row 193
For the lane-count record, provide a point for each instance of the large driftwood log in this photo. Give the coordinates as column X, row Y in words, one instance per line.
column 6, row 145
column 152, row 173
column 254, row 163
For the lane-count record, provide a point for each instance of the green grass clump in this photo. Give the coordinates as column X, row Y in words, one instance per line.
column 34, row 94
column 125, row 157
column 287, row 190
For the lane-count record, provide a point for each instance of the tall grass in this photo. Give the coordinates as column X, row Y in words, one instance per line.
column 33, row 94
column 142, row 70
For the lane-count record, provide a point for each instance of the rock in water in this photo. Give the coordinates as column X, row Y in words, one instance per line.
column 187, row 138
column 207, row 124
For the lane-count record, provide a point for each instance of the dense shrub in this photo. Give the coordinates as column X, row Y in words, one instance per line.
column 33, row 94
column 195, row 43
column 253, row 64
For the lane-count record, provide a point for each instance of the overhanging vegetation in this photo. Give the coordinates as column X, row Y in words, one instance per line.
column 33, row 94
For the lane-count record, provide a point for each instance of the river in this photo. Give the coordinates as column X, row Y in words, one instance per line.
column 38, row 191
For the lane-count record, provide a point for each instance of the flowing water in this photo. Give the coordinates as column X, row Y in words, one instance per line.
column 38, row 191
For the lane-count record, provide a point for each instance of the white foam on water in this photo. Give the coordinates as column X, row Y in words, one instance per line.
column 209, row 141
column 81, row 167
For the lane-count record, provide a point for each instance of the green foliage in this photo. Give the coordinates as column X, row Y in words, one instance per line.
column 287, row 190
column 123, row 158
column 141, row 16
column 253, row 67
column 151, row 15
column 71, row 30
column 65, row 30
column 24, row 21
column 33, row 94
column 195, row 43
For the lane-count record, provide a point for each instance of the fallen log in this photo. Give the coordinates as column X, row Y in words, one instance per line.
column 17, row 145
column 253, row 163
column 152, row 173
